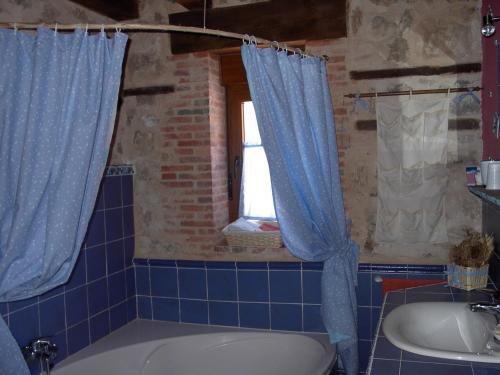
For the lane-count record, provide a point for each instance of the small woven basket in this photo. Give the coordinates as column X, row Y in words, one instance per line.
column 467, row 278
column 253, row 239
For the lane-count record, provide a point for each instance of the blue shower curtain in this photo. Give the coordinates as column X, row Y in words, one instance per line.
column 57, row 110
column 295, row 118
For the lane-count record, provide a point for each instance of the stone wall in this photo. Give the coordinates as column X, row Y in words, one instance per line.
column 385, row 34
column 177, row 141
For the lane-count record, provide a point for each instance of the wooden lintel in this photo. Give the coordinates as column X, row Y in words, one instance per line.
column 453, row 124
column 150, row 90
column 281, row 20
column 119, row 10
column 417, row 71
column 195, row 4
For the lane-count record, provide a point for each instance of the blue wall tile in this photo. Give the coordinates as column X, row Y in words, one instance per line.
column 419, row 368
column 127, row 191
column 79, row 275
column 60, row 341
column 24, row 324
column 313, row 321
column 364, row 323
column 76, row 306
column 99, row 326
column 193, row 311
column 166, row 309
column 286, row 317
column 128, row 221
column 118, row 316
column 254, row 315
column 253, row 286
column 52, row 316
column 95, row 232
column 144, row 307
column 363, row 290
column 113, row 192
column 311, row 281
column 130, row 276
column 162, row 263
column 223, row 313
column 114, row 225
column 98, row 296
column 115, row 256
column 142, row 280
column 384, row 367
column 163, row 282
column 285, row 286
column 192, row 283
column 96, row 262
column 116, row 288
column 129, row 247
column 78, row 337
column 131, row 309
column 222, row 285
column 21, row 304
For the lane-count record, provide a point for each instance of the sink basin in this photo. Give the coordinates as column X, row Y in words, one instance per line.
column 444, row 330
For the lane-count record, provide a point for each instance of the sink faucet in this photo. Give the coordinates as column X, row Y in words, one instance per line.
column 491, row 308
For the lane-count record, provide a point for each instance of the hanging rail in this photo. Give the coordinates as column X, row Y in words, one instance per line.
column 157, row 28
column 412, row 92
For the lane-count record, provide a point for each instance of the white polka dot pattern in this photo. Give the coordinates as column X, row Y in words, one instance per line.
column 295, row 117
column 59, row 94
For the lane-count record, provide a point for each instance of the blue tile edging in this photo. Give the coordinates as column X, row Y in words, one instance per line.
column 119, row 170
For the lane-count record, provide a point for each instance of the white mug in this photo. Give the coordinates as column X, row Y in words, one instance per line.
column 493, row 182
column 483, row 166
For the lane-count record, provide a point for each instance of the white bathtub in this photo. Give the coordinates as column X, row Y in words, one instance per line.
column 153, row 348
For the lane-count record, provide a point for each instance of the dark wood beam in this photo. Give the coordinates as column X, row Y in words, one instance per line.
column 195, row 4
column 149, row 90
column 281, row 20
column 417, row 71
column 453, row 124
column 119, row 10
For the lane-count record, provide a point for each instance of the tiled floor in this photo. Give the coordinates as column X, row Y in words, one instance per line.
column 390, row 360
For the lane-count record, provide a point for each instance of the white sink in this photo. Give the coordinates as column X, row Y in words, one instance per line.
column 444, row 330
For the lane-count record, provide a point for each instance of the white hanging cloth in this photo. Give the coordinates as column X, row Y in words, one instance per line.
column 412, row 137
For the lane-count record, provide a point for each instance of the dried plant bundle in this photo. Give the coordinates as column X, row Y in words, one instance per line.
column 474, row 251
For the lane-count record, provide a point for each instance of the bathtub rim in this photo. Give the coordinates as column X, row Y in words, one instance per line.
column 142, row 331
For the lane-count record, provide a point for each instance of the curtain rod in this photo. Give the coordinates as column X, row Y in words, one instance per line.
column 157, row 28
column 412, row 92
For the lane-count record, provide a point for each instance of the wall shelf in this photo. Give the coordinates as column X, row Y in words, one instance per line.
column 490, row 196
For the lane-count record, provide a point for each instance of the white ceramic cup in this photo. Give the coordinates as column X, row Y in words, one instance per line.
column 493, row 176
column 483, row 165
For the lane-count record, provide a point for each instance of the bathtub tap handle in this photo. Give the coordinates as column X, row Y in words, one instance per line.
column 41, row 348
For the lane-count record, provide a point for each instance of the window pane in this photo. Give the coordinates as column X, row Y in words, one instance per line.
column 256, row 193
column 256, row 199
column 250, row 128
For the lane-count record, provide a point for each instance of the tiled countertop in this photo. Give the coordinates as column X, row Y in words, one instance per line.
column 390, row 360
column 491, row 196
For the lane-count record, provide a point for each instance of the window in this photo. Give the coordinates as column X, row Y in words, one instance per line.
column 249, row 185
column 256, row 200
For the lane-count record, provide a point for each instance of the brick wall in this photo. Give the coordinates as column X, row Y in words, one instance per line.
column 194, row 176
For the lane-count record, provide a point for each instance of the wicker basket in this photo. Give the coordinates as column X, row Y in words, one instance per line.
column 253, row 239
column 467, row 278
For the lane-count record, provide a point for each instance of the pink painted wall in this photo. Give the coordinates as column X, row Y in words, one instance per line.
column 489, row 95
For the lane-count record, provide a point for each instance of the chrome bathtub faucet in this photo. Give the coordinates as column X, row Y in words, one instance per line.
column 491, row 308
column 42, row 349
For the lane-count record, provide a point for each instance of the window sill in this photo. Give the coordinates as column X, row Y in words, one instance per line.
column 253, row 253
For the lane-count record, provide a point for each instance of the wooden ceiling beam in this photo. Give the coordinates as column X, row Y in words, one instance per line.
column 281, row 20
column 119, row 10
column 195, row 4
